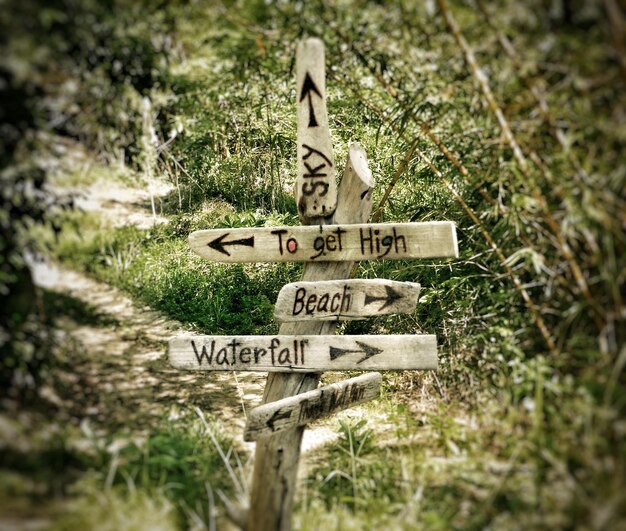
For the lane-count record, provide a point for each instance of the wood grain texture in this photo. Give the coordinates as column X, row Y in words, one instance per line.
column 301, row 409
column 276, row 457
column 345, row 299
column 316, row 188
column 304, row 353
column 375, row 241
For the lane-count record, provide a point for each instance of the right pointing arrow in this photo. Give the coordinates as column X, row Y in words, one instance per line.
column 391, row 297
column 366, row 349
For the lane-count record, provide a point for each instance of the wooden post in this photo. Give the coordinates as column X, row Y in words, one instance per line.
column 277, row 456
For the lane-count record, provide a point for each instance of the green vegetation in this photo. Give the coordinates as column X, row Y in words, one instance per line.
column 170, row 476
column 505, row 118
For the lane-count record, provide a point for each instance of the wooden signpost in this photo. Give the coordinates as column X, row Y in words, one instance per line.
column 301, row 409
column 335, row 233
column 304, row 353
column 328, row 243
column 345, row 299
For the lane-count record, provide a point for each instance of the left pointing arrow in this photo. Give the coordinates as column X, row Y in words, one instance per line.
column 220, row 245
column 277, row 415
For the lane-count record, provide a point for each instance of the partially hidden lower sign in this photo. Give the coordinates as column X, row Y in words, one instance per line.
column 345, row 299
column 376, row 241
column 301, row 409
column 305, row 353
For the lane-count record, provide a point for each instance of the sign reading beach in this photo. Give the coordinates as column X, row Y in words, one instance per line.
column 345, row 299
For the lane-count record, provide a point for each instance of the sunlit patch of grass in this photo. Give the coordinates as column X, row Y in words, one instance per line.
column 171, row 475
column 490, row 465
column 115, row 509
column 91, row 172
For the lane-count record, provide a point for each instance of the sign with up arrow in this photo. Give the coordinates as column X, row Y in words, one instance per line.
column 316, row 189
column 305, row 353
column 345, row 299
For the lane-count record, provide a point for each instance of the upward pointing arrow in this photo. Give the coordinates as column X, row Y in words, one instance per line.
column 307, row 88
column 366, row 349
column 391, row 296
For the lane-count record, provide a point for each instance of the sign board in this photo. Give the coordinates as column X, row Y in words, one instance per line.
column 301, row 409
column 306, row 353
column 316, row 189
column 328, row 243
column 344, row 299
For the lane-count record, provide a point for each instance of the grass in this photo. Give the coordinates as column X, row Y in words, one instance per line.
column 167, row 477
column 455, row 467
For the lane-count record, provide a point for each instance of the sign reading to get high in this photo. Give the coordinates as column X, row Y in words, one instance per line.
column 394, row 241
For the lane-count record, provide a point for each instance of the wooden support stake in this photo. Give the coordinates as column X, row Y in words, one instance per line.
column 277, row 456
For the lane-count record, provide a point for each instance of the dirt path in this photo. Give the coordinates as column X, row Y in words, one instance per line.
column 119, row 369
column 120, row 366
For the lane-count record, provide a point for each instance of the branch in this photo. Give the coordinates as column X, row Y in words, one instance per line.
column 483, row 82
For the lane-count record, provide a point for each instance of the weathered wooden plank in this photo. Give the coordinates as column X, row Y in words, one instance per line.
column 306, row 353
column 376, row 241
column 316, row 189
column 276, row 457
column 301, row 409
column 345, row 299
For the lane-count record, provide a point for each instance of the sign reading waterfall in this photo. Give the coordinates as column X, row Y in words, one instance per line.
column 304, row 353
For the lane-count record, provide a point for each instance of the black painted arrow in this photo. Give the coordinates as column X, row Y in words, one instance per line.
column 366, row 349
column 391, row 297
column 277, row 415
column 307, row 88
column 219, row 245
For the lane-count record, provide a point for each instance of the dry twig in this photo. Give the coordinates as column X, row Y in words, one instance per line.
column 519, row 156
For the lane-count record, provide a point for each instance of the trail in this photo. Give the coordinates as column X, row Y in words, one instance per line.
column 120, row 376
column 122, row 371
